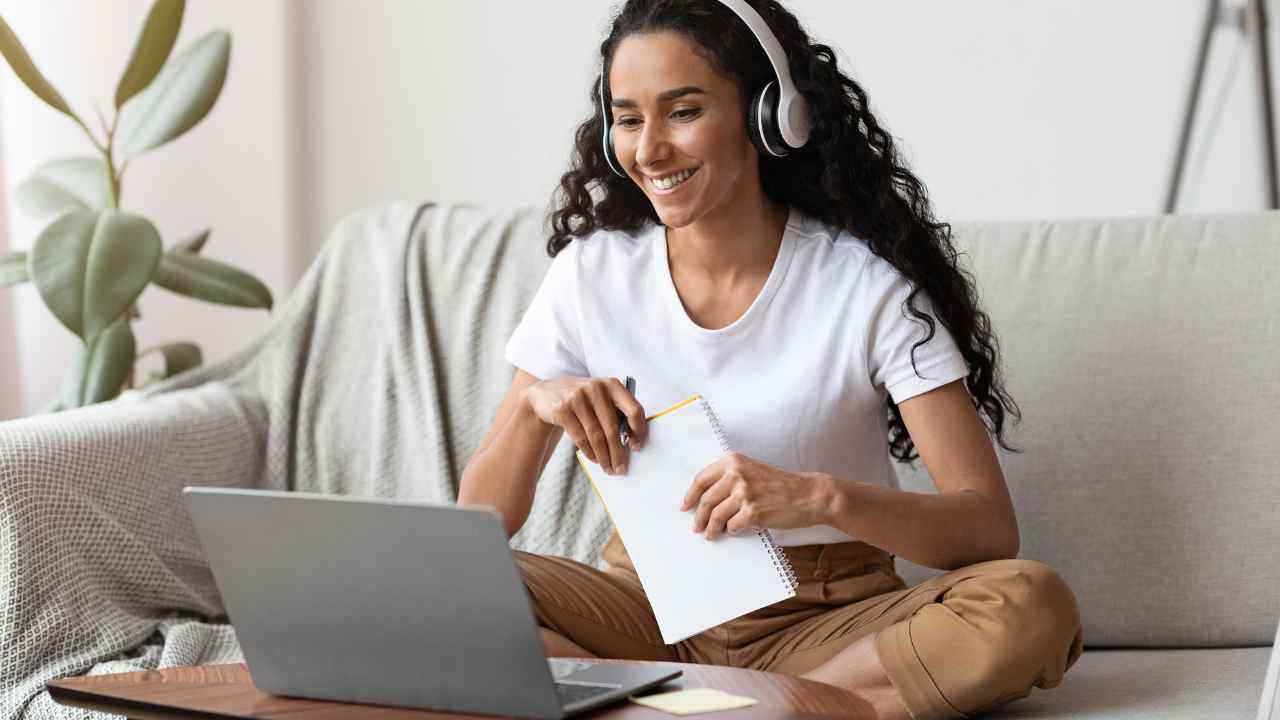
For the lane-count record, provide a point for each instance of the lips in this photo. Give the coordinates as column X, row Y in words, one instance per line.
column 687, row 175
column 670, row 175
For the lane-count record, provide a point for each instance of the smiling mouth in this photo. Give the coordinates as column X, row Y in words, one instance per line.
column 666, row 186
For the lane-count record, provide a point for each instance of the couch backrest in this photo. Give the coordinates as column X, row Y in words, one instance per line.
column 1144, row 354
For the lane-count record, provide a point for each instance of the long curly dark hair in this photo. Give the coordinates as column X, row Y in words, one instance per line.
column 849, row 175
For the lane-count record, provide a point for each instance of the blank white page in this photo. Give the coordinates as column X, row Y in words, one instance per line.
column 692, row 583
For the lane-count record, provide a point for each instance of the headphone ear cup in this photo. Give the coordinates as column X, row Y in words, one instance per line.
column 609, row 155
column 753, row 128
column 762, row 122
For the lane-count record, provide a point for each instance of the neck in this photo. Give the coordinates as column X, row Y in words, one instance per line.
column 738, row 241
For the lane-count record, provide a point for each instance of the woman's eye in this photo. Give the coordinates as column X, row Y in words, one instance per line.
column 686, row 114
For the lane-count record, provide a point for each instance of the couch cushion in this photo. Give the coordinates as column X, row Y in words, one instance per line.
column 1219, row 683
column 1145, row 356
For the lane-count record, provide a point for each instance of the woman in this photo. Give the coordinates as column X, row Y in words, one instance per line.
column 814, row 301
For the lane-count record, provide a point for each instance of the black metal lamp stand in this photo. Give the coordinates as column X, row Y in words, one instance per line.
column 1252, row 20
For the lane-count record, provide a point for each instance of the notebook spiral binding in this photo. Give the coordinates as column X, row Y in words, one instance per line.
column 780, row 561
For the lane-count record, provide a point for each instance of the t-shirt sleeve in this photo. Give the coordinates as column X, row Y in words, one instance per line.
column 547, row 343
column 891, row 334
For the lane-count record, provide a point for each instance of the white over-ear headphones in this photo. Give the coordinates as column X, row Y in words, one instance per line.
column 777, row 116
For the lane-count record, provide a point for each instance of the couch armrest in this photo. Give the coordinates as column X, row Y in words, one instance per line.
column 96, row 545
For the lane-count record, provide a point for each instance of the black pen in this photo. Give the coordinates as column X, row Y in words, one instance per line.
column 622, row 419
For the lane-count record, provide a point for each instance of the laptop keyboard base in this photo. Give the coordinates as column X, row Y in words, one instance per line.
column 571, row 694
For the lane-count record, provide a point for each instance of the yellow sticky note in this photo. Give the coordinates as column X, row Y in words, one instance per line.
column 694, row 700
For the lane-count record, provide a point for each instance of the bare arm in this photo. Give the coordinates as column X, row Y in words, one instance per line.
column 533, row 416
column 504, row 471
column 970, row 520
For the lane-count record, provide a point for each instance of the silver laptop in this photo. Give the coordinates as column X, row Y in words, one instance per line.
column 393, row 603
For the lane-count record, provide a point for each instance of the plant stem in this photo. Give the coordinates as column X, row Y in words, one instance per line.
column 102, row 120
column 112, row 177
column 133, row 366
column 113, row 181
column 89, row 133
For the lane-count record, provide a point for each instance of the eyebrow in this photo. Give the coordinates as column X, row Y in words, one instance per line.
column 663, row 97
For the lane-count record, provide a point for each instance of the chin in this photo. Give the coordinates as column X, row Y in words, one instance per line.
column 673, row 218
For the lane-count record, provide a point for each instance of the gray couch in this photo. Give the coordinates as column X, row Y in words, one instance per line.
column 1142, row 352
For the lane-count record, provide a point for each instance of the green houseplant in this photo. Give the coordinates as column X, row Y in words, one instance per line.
column 92, row 260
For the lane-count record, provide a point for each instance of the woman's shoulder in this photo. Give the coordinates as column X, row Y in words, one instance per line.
column 834, row 248
column 817, row 232
column 847, row 256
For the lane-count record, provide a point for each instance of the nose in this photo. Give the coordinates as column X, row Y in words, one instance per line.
column 651, row 146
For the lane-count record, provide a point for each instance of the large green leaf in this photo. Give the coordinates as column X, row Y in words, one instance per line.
column 179, row 97
column 212, row 281
column 152, row 48
column 60, row 271
column 100, row 366
column 13, row 269
column 72, row 183
column 89, row 267
column 13, row 51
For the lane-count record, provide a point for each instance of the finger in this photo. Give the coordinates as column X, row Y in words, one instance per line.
column 739, row 523
column 607, row 417
column 577, row 434
column 705, row 478
column 595, row 434
column 720, row 517
column 711, row 499
column 627, row 403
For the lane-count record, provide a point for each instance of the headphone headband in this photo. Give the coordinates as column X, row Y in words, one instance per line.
column 793, row 112
column 784, row 116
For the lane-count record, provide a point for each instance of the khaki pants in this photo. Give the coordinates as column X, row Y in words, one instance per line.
column 952, row 646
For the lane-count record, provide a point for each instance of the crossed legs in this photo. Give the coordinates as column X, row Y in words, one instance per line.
column 955, row 645
column 557, row 645
column 857, row 669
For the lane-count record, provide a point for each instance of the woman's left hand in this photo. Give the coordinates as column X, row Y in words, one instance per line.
column 737, row 492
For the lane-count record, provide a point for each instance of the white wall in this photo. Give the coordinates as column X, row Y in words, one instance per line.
column 1006, row 109
column 10, row 372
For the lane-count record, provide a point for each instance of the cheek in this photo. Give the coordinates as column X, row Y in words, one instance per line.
column 719, row 141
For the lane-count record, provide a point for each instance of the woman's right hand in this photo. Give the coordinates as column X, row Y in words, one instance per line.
column 587, row 408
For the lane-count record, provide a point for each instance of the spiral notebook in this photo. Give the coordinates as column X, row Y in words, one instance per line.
column 692, row 583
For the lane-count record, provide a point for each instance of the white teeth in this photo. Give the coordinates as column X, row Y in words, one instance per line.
column 673, row 181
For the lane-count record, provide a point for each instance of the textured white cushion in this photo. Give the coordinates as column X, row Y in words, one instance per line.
column 1218, row 683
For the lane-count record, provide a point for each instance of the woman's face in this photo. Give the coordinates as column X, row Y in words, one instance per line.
column 671, row 114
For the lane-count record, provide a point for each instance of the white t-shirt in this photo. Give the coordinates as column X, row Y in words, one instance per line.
column 798, row 381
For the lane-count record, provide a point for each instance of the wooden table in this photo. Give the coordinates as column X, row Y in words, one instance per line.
column 225, row 691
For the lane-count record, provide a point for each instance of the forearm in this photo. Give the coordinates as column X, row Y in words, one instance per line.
column 944, row 531
column 505, row 473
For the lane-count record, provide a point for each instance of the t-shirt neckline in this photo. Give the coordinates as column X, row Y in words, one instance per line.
column 754, row 311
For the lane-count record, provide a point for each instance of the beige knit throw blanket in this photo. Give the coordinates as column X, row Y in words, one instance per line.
column 378, row 377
